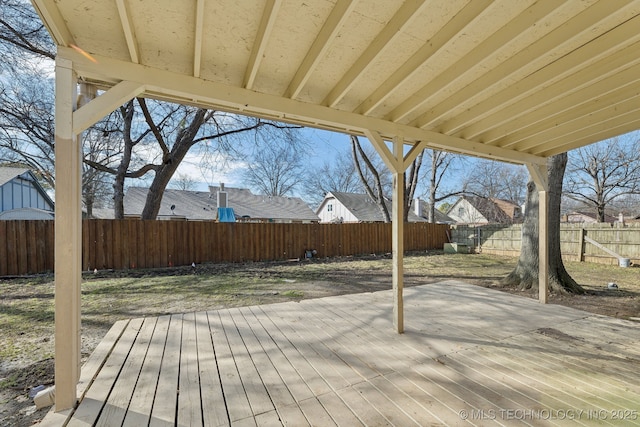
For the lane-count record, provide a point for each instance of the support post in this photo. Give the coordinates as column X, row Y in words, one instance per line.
column 540, row 176
column 68, row 239
column 543, row 247
column 397, row 221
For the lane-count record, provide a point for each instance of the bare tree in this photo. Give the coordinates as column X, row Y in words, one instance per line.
column 338, row 175
column 439, row 167
column 525, row 274
column 375, row 191
column 183, row 182
column 276, row 165
column 602, row 173
column 493, row 179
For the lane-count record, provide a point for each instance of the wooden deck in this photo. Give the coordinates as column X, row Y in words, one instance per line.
column 470, row 356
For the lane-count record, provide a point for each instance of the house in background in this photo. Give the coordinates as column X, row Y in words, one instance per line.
column 481, row 210
column 22, row 196
column 203, row 205
column 340, row 207
column 421, row 208
column 587, row 217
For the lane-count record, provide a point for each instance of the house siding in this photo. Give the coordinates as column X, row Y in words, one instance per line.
column 21, row 193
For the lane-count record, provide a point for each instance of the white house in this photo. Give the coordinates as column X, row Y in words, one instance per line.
column 353, row 207
column 22, row 196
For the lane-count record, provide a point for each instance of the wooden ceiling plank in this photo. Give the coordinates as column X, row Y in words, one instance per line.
column 578, row 104
column 53, row 20
column 584, row 57
column 583, row 127
column 197, row 48
column 589, row 83
column 175, row 87
column 128, row 30
column 524, row 21
column 267, row 24
column 578, row 27
column 611, row 130
column 393, row 28
column 410, row 66
column 339, row 14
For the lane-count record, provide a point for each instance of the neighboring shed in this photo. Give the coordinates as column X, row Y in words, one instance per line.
column 353, row 207
column 203, row 205
column 21, row 193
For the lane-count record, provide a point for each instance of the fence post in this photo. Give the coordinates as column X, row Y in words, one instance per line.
column 581, row 244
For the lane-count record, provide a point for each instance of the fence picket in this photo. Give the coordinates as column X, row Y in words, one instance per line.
column 27, row 247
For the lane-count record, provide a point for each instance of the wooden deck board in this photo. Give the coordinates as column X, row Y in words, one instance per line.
column 337, row 361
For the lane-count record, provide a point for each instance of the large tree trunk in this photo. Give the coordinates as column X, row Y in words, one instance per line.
column 525, row 274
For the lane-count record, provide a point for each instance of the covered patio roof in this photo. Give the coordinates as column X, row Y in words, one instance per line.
column 516, row 81
column 513, row 80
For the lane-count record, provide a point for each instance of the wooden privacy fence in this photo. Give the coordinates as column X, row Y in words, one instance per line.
column 27, row 247
column 574, row 241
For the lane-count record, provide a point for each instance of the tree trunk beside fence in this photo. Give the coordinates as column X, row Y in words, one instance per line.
column 28, row 246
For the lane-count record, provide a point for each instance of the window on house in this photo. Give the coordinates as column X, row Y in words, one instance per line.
column 329, row 207
column 460, row 212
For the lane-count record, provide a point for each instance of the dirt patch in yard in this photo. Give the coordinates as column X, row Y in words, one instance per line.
column 26, row 307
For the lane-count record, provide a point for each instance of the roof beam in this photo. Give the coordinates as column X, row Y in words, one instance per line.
column 321, row 44
column 260, row 44
column 437, row 42
column 51, row 17
column 129, row 32
column 90, row 113
column 585, row 128
column 390, row 159
column 581, row 104
column 625, row 124
column 190, row 90
column 523, row 22
column 393, row 28
column 520, row 65
column 197, row 48
column 594, row 83
column 605, row 56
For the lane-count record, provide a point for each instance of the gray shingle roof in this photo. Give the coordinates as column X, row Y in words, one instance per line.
column 203, row 205
column 363, row 208
column 8, row 173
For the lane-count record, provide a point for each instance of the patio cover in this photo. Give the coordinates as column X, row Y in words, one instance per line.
column 516, row 81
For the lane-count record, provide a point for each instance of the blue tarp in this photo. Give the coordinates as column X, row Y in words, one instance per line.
column 226, row 215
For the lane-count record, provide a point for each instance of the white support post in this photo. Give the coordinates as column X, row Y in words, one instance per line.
column 543, row 246
column 539, row 175
column 397, row 220
column 68, row 239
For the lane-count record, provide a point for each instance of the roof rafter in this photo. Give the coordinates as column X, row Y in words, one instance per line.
column 479, row 89
column 620, row 125
column 197, row 48
column 522, row 23
column 54, row 22
column 174, row 87
column 260, row 44
column 127, row 28
column 582, row 58
column 401, row 18
column 321, row 44
column 583, row 127
column 437, row 42
column 592, row 82
column 577, row 105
